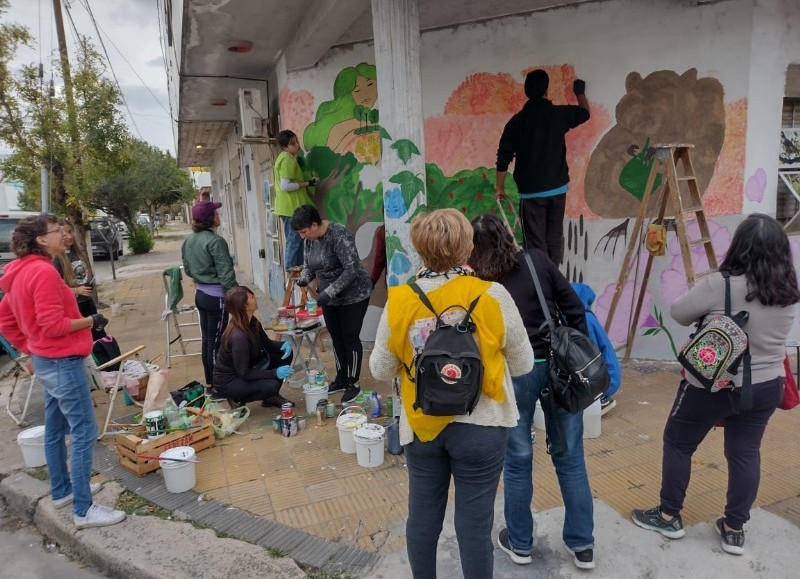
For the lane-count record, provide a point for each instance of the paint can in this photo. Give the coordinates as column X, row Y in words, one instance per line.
column 156, row 424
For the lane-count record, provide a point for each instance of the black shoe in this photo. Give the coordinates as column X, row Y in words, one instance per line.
column 274, row 401
column 519, row 557
column 652, row 520
column 234, row 404
column 606, row 404
column 583, row 559
column 336, row 386
column 732, row 541
column 350, row 393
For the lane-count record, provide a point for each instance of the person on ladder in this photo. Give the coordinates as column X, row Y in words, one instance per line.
column 535, row 136
column 291, row 192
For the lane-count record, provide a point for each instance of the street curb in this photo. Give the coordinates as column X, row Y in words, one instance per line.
column 22, row 493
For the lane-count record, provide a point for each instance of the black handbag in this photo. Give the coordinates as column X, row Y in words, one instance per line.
column 578, row 372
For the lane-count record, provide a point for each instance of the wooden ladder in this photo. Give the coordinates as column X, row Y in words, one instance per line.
column 685, row 203
column 292, row 277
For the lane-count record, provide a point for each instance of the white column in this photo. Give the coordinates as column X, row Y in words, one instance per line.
column 395, row 25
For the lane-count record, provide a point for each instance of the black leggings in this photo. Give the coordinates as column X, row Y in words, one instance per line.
column 212, row 323
column 344, row 324
column 244, row 391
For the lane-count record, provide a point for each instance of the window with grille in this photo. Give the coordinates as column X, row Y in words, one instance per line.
column 788, row 202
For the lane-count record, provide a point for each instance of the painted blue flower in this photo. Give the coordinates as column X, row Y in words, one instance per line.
column 394, row 204
column 400, row 263
column 392, row 280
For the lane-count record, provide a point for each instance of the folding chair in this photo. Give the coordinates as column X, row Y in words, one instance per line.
column 23, row 366
column 173, row 309
column 112, row 391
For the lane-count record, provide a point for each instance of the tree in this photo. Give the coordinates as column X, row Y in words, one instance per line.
column 34, row 124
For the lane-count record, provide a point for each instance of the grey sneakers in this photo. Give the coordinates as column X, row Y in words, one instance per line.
column 652, row 520
column 732, row 541
column 67, row 500
column 582, row 559
column 99, row 516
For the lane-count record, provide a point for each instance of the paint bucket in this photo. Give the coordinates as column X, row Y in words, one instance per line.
column 179, row 477
column 349, row 419
column 313, row 394
column 591, row 420
column 156, row 424
column 31, row 443
column 368, row 439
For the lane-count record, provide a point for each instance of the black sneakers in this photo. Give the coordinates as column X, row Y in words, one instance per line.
column 583, row 559
column 519, row 557
column 351, row 393
column 336, row 386
column 652, row 520
column 606, row 404
column 732, row 541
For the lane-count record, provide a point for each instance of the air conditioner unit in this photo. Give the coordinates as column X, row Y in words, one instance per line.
column 250, row 118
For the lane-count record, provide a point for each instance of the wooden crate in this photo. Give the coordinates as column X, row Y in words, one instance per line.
column 130, row 446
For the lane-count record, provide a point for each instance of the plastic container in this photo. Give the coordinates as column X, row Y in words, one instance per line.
column 31, row 443
column 179, row 476
column 311, row 307
column 314, row 394
column 349, row 419
column 538, row 417
column 591, row 420
column 368, row 440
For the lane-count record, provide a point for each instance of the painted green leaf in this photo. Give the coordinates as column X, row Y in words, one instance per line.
column 421, row 209
column 410, row 185
column 405, row 149
column 651, row 331
column 393, row 244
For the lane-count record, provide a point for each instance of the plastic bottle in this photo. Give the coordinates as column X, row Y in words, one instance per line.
column 375, row 405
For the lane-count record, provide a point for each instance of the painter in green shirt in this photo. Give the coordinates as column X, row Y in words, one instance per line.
column 291, row 192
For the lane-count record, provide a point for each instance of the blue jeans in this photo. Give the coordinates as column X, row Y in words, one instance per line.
column 570, row 469
column 68, row 409
column 473, row 456
column 293, row 245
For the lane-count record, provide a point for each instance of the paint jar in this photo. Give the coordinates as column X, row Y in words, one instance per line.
column 311, row 307
column 156, row 424
column 330, row 410
column 276, row 424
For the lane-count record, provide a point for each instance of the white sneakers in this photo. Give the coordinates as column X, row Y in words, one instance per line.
column 67, row 500
column 99, row 516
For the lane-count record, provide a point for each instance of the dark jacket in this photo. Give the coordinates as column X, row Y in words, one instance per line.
column 238, row 355
column 535, row 136
column 557, row 293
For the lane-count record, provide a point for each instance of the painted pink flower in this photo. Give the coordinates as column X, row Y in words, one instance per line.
column 673, row 279
column 618, row 332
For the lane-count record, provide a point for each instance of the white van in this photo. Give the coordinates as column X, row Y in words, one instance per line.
column 8, row 223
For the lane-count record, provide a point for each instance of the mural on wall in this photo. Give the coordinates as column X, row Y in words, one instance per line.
column 349, row 122
column 667, row 107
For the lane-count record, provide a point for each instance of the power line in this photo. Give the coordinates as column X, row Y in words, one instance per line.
column 85, row 4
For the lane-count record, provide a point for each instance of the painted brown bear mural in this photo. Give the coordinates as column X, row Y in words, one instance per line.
column 663, row 107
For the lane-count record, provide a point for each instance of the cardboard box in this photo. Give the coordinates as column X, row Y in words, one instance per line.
column 131, row 446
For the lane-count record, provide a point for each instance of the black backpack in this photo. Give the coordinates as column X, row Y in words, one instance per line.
column 578, row 372
column 448, row 370
column 104, row 350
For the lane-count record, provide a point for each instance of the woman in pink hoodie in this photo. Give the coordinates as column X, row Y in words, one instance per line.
column 39, row 316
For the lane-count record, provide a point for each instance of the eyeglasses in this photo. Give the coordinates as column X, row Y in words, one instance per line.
column 59, row 230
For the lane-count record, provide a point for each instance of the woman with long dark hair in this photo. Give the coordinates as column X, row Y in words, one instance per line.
column 207, row 260
column 496, row 257
column 72, row 266
column 39, row 316
column 249, row 365
column 763, row 282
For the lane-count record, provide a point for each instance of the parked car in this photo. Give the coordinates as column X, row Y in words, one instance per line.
column 143, row 219
column 8, row 223
column 122, row 229
column 103, row 232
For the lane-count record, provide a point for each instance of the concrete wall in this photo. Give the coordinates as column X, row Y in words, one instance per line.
column 713, row 75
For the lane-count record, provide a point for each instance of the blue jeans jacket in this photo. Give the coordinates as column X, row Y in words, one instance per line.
column 68, row 409
column 570, row 469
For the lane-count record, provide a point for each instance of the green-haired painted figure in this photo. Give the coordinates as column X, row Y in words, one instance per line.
column 350, row 114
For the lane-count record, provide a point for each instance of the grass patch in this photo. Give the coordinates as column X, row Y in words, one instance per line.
column 39, row 473
column 220, row 534
column 275, row 553
column 312, row 573
column 133, row 504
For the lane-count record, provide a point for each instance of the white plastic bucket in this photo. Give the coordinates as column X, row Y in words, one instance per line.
column 349, row 419
column 178, row 476
column 314, row 394
column 31, row 443
column 591, row 420
column 368, row 440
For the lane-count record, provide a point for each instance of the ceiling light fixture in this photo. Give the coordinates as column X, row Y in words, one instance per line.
column 240, row 46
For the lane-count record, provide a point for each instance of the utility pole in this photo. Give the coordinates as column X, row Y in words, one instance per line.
column 65, row 72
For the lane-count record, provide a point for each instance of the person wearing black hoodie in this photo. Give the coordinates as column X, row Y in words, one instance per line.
column 535, row 136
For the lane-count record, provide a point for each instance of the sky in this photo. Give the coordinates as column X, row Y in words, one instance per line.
column 129, row 29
